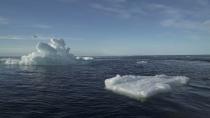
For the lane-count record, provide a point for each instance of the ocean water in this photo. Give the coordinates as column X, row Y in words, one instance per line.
column 78, row 90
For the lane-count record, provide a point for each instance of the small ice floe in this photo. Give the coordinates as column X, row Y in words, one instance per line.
column 141, row 62
column 84, row 58
column 9, row 61
column 141, row 87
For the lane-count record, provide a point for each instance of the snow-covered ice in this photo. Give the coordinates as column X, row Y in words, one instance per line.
column 141, row 87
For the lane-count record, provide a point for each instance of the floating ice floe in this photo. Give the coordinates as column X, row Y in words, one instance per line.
column 9, row 61
column 84, row 58
column 141, row 87
column 141, row 62
column 53, row 53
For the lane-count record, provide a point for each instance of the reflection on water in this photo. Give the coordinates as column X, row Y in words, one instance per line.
column 78, row 90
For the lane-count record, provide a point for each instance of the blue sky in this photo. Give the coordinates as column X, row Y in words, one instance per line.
column 107, row 27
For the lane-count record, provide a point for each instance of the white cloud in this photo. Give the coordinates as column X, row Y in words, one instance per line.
column 24, row 37
column 116, row 1
column 168, row 15
column 167, row 11
column 10, row 37
column 67, row 0
column 114, row 10
column 118, row 8
column 37, row 37
column 184, row 18
column 187, row 24
column 3, row 20
column 207, row 23
column 129, row 8
column 42, row 26
column 180, row 23
column 202, row 2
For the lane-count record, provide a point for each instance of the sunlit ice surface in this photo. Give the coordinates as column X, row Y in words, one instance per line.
column 142, row 87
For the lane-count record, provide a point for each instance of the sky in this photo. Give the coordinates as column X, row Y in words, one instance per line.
column 107, row 27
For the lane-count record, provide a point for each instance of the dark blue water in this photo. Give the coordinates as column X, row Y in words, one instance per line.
column 77, row 91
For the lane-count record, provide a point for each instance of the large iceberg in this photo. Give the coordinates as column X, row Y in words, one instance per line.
column 53, row 53
column 141, row 87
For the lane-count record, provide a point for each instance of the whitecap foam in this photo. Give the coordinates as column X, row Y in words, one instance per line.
column 53, row 53
column 141, row 87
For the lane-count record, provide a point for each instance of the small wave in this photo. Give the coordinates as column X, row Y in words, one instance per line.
column 141, row 87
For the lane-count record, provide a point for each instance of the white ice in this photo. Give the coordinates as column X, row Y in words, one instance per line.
column 141, row 87
column 84, row 58
column 53, row 53
column 141, row 62
column 9, row 61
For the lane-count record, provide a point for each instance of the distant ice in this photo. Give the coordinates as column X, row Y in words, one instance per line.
column 84, row 58
column 141, row 62
column 141, row 87
column 9, row 61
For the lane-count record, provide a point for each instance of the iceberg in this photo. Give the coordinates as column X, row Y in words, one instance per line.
column 141, row 87
column 53, row 53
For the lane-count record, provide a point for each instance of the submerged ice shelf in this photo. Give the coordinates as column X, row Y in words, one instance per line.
column 141, row 87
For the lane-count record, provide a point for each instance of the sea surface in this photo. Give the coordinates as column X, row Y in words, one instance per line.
column 78, row 90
